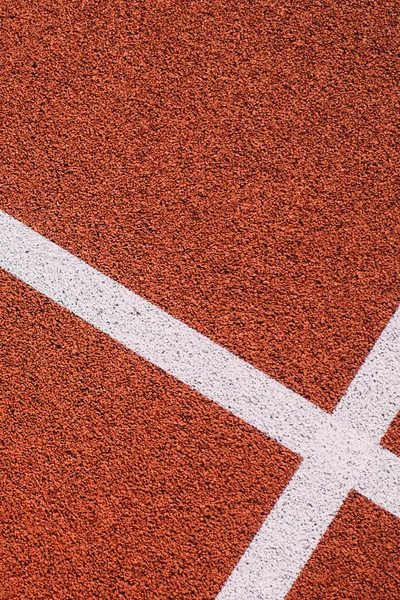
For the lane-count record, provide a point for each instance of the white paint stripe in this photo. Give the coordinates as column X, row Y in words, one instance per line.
column 302, row 514
column 288, row 536
column 340, row 449
column 373, row 397
column 156, row 336
column 349, row 438
column 380, row 482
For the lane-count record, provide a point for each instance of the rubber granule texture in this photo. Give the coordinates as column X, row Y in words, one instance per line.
column 236, row 164
column 117, row 480
column 232, row 162
column 358, row 558
column 391, row 439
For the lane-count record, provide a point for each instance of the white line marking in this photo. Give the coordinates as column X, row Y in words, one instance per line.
column 158, row 337
column 345, row 454
column 289, row 535
column 340, row 451
column 380, row 482
column 373, row 397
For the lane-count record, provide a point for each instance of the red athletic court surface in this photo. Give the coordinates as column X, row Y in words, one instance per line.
column 233, row 163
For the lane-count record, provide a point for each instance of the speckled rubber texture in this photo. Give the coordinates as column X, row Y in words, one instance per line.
column 233, row 162
column 341, row 454
column 391, row 440
column 344, row 457
column 117, row 480
column 359, row 557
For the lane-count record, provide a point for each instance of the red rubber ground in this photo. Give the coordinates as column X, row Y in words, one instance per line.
column 235, row 163
column 391, row 439
column 120, row 482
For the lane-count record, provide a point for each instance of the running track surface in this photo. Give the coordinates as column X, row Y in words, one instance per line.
column 234, row 164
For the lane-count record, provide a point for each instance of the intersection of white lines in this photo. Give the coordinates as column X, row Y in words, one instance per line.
column 340, row 451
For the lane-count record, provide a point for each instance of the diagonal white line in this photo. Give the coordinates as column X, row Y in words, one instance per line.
column 340, row 450
column 381, row 481
column 276, row 556
column 373, row 397
column 289, row 535
column 300, row 517
column 158, row 337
